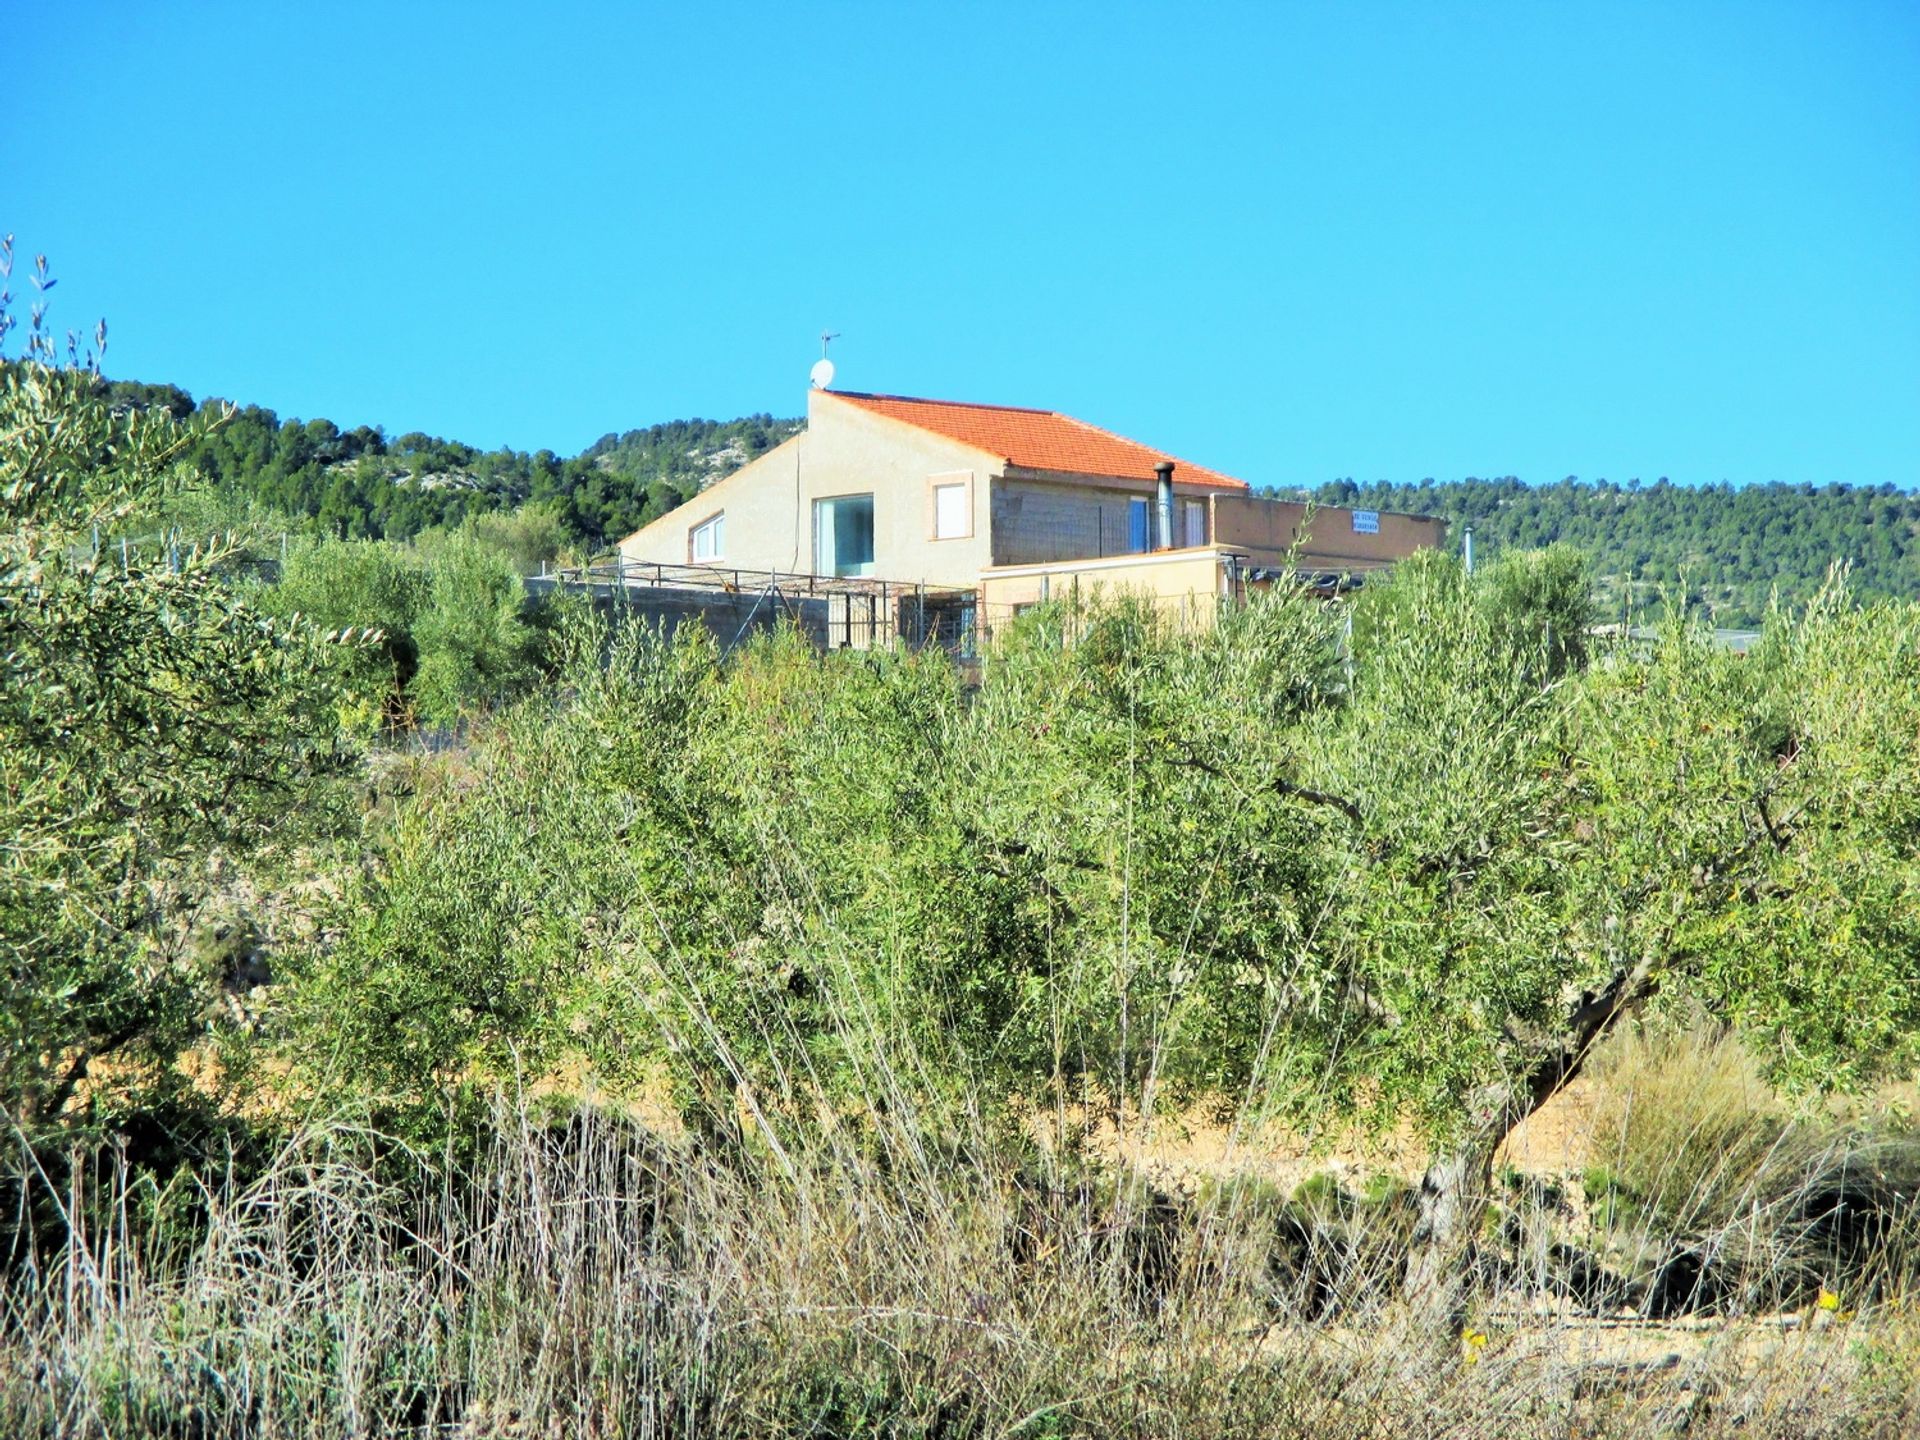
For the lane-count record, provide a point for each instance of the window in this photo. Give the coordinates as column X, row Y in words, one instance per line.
column 1137, row 540
column 950, row 518
column 1194, row 515
column 708, row 540
column 843, row 535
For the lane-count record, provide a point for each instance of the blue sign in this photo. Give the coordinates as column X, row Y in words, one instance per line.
column 1366, row 522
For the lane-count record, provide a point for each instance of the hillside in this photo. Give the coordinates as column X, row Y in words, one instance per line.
column 700, row 451
column 1731, row 547
column 363, row 483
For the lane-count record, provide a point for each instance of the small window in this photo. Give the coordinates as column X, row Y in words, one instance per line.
column 950, row 518
column 708, row 540
column 1194, row 512
column 1137, row 527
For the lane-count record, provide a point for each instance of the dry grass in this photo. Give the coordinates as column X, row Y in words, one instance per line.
column 575, row 1275
column 1686, row 1121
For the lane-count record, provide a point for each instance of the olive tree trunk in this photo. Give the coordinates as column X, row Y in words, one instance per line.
column 1457, row 1186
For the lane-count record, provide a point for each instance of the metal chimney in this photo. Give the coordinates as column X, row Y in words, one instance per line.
column 1164, row 503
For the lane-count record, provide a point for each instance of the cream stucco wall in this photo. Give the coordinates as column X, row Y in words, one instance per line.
column 1188, row 584
column 1265, row 529
column 1019, row 518
column 844, row 450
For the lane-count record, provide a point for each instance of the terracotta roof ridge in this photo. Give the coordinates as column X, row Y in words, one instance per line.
column 955, row 404
column 1034, row 439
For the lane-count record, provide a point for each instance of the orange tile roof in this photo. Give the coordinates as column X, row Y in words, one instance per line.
column 1037, row 439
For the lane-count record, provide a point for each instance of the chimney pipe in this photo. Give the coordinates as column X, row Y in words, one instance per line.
column 1164, row 497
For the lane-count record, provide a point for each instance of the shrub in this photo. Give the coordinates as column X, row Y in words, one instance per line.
column 448, row 616
column 373, row 588
column 1703, row 1170
column 155, row 730
column 1685, row 1122
column 476, row 648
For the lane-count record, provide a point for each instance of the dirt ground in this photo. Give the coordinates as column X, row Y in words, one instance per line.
column 1183, row 1151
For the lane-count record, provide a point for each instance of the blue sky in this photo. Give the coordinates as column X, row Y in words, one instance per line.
column 1291, row 241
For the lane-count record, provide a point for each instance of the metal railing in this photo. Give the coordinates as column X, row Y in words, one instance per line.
column 635, row 574
column 841, row 611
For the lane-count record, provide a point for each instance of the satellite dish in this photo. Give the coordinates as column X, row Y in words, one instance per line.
column 822, row 373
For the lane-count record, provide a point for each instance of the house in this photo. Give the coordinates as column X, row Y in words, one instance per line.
column 970, row 513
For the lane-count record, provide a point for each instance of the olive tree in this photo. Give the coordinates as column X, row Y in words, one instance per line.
column 1421, row 879
column 1538, row 853
column 153, row 727
column 1413, row 874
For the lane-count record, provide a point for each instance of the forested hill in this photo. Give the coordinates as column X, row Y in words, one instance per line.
column 1732, row 546
column 699, row 451
column 363, row 483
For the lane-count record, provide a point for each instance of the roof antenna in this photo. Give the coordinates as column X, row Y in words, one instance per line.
column 822, row 372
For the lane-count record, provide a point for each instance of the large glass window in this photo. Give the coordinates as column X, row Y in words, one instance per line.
column 843, row 535
column 1137, row 540
column 708, row 540
column 1194, row 513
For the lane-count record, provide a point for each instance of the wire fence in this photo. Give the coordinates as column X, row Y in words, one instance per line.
column 174, row 548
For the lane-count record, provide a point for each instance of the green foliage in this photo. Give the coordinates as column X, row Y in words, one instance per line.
column 444, row 621
column 373, row 588
column 1725, row 549
column 532, row 537
column 1540, row 606
column 475, row 644
column 153, row 727
column 1818, row 954
column 1449, row 914
column 1535, row 607
column 361, row 484
column 1396, row 876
